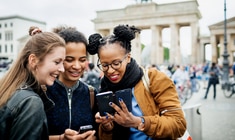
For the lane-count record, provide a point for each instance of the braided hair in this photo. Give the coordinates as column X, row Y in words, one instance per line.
column 122, row 34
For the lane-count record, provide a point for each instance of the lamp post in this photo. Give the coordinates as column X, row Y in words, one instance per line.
column 225, row 55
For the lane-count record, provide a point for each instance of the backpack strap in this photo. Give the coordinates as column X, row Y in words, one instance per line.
column 92, row 95
column 145, row 79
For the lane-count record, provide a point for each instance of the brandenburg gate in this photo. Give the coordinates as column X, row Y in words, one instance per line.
column 156, row 17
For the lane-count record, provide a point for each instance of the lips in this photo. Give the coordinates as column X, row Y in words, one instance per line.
column 113, row 77
column 75, row 74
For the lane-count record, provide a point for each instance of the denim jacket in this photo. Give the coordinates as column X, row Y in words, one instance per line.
column 23, row 117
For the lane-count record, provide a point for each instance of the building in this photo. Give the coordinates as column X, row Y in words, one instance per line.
column 13, row 28
column 156, row 17
column 217, row 40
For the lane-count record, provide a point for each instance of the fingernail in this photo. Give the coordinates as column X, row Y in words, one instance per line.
column 110, row 103
column 120, row 99
column 107, row 117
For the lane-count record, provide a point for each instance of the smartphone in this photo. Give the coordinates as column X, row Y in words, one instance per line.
column 103, row 100
column 126, row 96
column 85, row 128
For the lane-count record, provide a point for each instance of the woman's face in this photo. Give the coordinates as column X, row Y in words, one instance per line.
column 112, row 53
column 51, row 66
column 74, row 64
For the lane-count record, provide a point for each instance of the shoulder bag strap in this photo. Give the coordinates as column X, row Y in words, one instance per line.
column 92, row 95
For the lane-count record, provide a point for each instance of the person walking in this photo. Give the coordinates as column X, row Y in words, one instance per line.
column 214, row 73
column 92, row 76
column 22, row 100
column 156, row 114
column 75, row 103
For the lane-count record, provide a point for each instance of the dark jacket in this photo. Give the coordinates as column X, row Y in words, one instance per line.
column 23, row 117
column 68, row 114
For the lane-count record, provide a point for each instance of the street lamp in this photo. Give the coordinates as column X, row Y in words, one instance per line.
column 225, row 55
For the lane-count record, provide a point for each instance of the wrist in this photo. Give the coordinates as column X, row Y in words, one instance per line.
column 61, row 137
column 107, row 126
column 141, row 124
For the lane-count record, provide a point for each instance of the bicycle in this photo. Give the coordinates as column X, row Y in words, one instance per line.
column 229, row 88
column 184, row 91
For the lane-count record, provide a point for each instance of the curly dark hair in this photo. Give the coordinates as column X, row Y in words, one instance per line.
column 70, row 34
column 122, row 34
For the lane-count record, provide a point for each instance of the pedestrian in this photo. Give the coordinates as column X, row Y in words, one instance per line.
column 214, row 73
column 22, row 101
column 92, row 76
column 193, row 78
column 74, row 103
column 205, row 76
column 233, row 69
column 148, row 119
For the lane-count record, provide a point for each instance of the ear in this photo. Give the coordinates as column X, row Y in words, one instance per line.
column 128, row 57
column 33, row 60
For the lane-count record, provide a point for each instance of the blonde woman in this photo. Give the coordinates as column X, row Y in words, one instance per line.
column 22, row 101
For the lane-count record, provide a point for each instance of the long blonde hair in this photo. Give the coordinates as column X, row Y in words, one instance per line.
column 40, row 44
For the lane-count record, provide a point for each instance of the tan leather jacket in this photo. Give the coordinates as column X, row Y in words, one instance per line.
column 162, row 111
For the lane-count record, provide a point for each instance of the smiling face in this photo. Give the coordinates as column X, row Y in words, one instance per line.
column 74, row 64
column 111, row 53
column 51, row 66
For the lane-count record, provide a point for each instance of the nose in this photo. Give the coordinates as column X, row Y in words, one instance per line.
column 76, row 65
column 61, row 68
column 110, row 69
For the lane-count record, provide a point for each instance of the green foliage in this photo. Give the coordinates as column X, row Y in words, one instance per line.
column 166, row 53
column 142, row 46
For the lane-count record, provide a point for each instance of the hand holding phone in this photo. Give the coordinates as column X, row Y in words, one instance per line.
column 103, row 100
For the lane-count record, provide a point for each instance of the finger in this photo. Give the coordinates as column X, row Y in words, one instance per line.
column 116, row 107
column 91, row 135
column 123, row 105
column 97, row 115
column 87, row 134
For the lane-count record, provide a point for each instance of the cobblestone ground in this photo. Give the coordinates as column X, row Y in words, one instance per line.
column 217, row 119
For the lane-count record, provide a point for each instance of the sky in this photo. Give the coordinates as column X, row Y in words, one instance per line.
column 79, row 13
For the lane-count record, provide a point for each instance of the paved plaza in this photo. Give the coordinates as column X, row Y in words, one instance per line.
column 217, row 119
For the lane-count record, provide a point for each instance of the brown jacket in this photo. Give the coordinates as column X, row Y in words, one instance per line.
column 170, row 124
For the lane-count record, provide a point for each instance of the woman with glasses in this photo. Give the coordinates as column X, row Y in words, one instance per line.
column 156, row 114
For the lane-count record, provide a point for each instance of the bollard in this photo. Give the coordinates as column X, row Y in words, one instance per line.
column 194, row 123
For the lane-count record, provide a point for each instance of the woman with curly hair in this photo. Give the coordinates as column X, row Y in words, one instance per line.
column 74, row 100
column 156, row 114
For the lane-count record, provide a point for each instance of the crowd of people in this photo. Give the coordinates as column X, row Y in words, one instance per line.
column 49, row 92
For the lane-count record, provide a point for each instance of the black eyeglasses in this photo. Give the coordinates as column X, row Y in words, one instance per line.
column 116, row 64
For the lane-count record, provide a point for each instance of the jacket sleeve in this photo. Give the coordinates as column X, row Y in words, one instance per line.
column 163, row 114
column 29, row 120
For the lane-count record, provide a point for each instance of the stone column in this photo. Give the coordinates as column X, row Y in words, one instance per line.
column 136, row 48
column 156, row 53
column 175, row 53
column 195, row 57
column 214, row 48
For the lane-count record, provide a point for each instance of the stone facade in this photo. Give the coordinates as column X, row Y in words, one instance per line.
column 217, row 40
column 155, row 17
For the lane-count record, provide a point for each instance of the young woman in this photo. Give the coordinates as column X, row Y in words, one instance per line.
column 22, row 101
column 155, row 115
column 72, row 98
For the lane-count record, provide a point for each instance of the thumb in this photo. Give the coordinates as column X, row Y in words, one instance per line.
column 70, row 132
